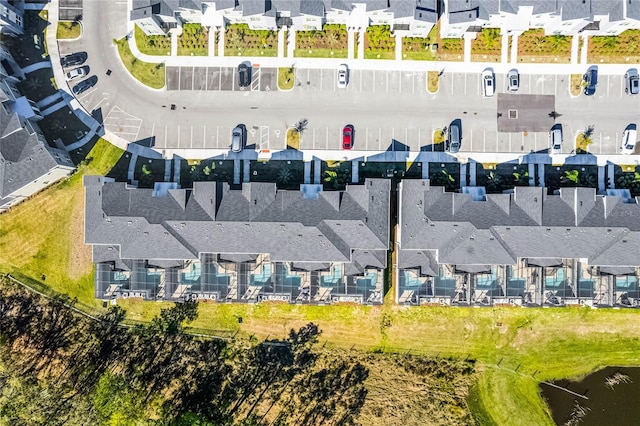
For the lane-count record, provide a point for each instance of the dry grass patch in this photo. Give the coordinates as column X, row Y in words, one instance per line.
column 68, row 30
column 576, row 84
column 534, row 46
column 44, row 236
column 293, row 139
column 620, row 49
column 433, row 81
column 286, row 78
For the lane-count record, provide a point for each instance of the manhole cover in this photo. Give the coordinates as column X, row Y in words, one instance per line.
column 513, row 113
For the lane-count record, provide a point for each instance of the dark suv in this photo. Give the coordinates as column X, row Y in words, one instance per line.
column 591, row 78
column 244, row 75
column 73, row 60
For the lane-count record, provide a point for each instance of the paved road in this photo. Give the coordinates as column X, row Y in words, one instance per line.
column 383, row 105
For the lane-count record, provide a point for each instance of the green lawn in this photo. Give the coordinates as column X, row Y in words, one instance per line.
column 320, row 53
column 152, row 75
column 193, row 41
column 379, row 54
column 45, row 235
column 286, row 78
column 514, row 347
column 68, row 30
column 152, row 45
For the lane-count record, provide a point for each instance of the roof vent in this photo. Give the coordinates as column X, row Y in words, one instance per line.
column 129, row 223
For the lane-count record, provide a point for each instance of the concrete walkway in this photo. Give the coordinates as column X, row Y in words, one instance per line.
column 174, row 43
column 467, row 49
column 49, row 100
column 37, row 66
column 351, row 44
column 55, row 107
column 504, row 51
column 281, row 42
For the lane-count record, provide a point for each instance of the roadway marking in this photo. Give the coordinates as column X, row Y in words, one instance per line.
column 374, row 81
column 327, row 138
column 193, row 77
column 204, row 136
column 165, row 135
column 192, row 137
column 321, row 79
column 179, row 73
column 387, row 73
column 217, row 138
column 608, row 85
column 465, row 86
column 178, row 136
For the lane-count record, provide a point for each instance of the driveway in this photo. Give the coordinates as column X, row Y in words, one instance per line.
column 390, row 110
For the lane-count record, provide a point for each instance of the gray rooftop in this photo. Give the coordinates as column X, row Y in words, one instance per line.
column 528, row 223
column 212, row 218
column 23, row 156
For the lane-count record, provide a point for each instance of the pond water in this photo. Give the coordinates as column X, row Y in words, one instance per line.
column 612, row 399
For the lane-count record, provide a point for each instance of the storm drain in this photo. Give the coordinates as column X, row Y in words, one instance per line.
column 513, row 114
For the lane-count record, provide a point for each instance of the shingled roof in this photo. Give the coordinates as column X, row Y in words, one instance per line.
column 528, row 223
column 23, row 156
column 212, row 218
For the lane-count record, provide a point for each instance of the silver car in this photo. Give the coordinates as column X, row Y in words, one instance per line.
column 488, row 83
column 555, row 138
column 513, row 81
column 631, row 82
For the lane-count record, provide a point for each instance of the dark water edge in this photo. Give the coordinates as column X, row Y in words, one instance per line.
column 613, row 399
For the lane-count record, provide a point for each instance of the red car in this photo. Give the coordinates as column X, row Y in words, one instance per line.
column 347, row 137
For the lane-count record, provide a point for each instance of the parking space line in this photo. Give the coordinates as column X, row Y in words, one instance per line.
column 400, row 85
column 321, row 79
column 193, row 77
column 556, row 86
column 529, row 83
column 192, row 137
column 220, row 78
column 484, row 137
column 206, row 77
column 361, row 80
column 465, row 86
column 217, row 139
column 204, row 137
column 165, row 135
column 366, row 138
column 179, row 73
column 608, row 85
column 373, row 84
column 327, row 138
column 414, row 83
column 308, row 79
column 387, row 81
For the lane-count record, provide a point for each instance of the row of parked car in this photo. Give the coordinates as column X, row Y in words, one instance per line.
column 78, row 73
column 590, row 82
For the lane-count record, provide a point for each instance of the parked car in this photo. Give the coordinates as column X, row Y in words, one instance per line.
column 347, row 136
column 488, row 83
column 513, row 80
column 84, row 85
column 631, row 82
column 238, row 138
column 591, row 78
column 77, row 73
column 73, row 60
column 555, row 138
column 244, row 75
column 454, row 139
column 343, row 76
column 629, row 138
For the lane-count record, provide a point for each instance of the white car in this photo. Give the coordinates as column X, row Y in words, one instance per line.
column 488, row 83
column 77, row 73
column 343, row 76
column 629, row 138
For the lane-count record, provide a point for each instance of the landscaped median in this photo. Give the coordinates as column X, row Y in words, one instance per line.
column 68, row 30
column 149, row 74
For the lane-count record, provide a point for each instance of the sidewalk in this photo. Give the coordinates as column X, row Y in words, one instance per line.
column 378, row 64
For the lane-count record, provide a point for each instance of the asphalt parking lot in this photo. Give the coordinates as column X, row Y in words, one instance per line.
column 219, row 78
